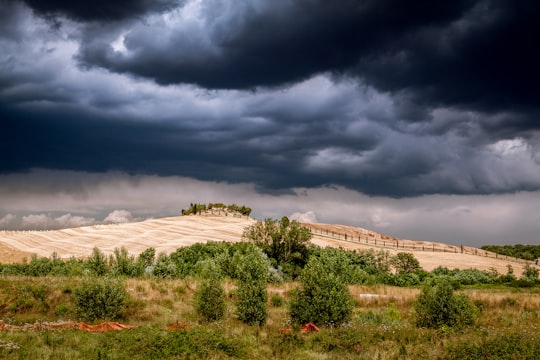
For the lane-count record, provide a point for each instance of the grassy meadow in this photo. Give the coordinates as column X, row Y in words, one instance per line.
column 382, row 325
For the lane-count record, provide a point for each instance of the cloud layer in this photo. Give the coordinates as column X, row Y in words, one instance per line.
column 96, row 198
column 388, row 99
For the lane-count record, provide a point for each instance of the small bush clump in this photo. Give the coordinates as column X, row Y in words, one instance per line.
column 277, row 301
column 438, row 307
column 100, row 299
column 210, row 298
column 252, row 296
column 323, row 297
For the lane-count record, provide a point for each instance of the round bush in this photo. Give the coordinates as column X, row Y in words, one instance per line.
column 100, row 299
column 323, row 297
column 210, row 300
column 438, row 307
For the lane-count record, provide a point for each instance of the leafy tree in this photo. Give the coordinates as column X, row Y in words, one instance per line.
column 284, row 241
column 405, row 263
column 194, row 209
column 198, row 208
column 323, row 297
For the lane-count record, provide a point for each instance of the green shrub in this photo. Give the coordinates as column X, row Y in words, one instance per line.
column 438, row 307
column 343, row 264
column 473, row 276
column 97, row 263
column 100, row 299
column 276, row 301
column 323, row 297
column 123, row 264
column 147, row 257
column 496, row 347
column 29, row 298
column 284, row 241
column 210, row 298
column 530, row 273
column 61, row 309
column 164, row 267
column 441, row 270
column 405, row 263
column 251, row 292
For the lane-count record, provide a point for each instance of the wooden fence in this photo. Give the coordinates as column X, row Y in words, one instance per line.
column 409, row 245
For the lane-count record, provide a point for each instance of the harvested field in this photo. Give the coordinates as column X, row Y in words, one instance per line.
column 168, row 234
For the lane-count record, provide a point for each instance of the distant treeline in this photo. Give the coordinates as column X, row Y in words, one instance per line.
column 198, row 208
column 527, row 252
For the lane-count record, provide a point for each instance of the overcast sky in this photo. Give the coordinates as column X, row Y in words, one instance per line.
column 418, row 119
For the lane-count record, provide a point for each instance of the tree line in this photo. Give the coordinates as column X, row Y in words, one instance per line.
column 526, row 252
column 199, row 208
column 287, row 248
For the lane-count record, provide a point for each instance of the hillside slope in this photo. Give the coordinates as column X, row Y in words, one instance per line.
column 164, row 235
column 168, row 234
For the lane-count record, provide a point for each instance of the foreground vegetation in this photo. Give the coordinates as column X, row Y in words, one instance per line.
column 382, row 325
column 249, row 300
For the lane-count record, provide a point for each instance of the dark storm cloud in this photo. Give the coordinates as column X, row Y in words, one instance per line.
column 239, row 150
column 282, row 154
column 485, row 60
column 101, row 10
column 260, row 43
column 380, row 97
column 472, row 54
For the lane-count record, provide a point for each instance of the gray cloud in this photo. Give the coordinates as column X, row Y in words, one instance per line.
column 469, row 54
column 45, row 221
column 118, row 217
column 427, row 100
column 313, row 133
column 455, row 219
column 100, row 10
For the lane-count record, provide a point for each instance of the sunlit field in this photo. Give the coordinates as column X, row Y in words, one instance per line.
column 382, row 325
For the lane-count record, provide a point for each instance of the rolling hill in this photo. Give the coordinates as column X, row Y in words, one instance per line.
column 168, row 234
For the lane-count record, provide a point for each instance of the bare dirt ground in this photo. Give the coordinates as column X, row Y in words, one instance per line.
column 168, row 234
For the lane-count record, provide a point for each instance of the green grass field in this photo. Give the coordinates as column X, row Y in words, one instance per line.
column 382, row 325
